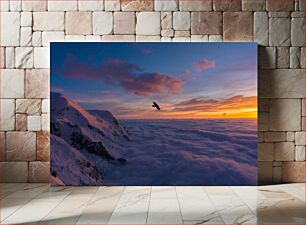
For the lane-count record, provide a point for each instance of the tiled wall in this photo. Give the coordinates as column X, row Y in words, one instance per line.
column 28, row 26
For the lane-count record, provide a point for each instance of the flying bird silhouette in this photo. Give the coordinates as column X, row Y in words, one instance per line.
column 155, row 105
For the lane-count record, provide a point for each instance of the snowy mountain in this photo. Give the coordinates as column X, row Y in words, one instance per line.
column 85, row 144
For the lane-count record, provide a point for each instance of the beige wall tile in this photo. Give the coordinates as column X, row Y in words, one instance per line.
column 137, row 5
column 293, row 172
column 20, row 146
column 48, row 21
column 197, row 5
column 124, row 22
column 143, row 28
column 21, row 122
column 238, row 26
column 10, row 28
column 39, row 172
column 206, row 23
column 169, row 5
column 12, row 83
column 7, row 114
column 14, row 172
column 227, row 5
column 37, row 83
column 78, row 23
column 43, row 146
column 285, row 115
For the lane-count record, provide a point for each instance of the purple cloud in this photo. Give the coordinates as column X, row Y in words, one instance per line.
column 129, row 76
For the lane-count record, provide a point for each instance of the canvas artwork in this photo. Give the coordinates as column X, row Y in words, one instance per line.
column 154, row 113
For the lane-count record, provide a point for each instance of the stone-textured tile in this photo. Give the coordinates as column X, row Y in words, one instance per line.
column 7, row 114
column 169, row 5
column 238, row 26
column 2, row 146
column 45, row 122
column 182, row 33
column 166, row 39
column 290, row 136
column 24, row 57
column 279, row 31
column 37, row 83
column 37, row 39
column 283, row 57
column 2, row 57
column 10, row 28
column 112, row 5
column 102, row 22
column 300, row 138
column 295, row 57
column 52, row 36
column 275, row 136
column 167, row 33
column 78, row 23
column 267, row 57
column 227, row 5
column 297, row 32
column 4, row 5
column 181, row 39
column 20, row 146
column 10, row 57
column 142, row 26
column 197, row 5
column 45, row 105
column 302, row 5
column 279, row 14
column 280, row 5
column 39, row 172
column 21, row 122
column 199, row 38
column 48, row 21
column 91, row 5
column 34, row 5
column 284, row 151
column 206, row 23
column 277, row 174
column 143, row 38
column 263, row 121
column 261, row 28
column 303, row 58
column 14, row 172
column 43, row 146
column 300, row 153
column 137, row 5
column 75, row 38
column 118, row 38
column 265, row 151
column 260, row 137
column 25, row 36
column 124, row 22
column 293, row 172
column 281, row 83
column 264, row 173
column 181, row 20
column 41, row 57
column 58, row 5
column 166, row 20
column 28, row 106
column 34, row 123
column 285, row 115
column 298, row 14
column 12, row 83
column 93, row 38
column 26, row 19
column 253, row 5
column 215, row 38
column 263, row 105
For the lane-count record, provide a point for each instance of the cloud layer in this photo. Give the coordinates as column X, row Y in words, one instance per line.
column 203, row 65
column 129, row 76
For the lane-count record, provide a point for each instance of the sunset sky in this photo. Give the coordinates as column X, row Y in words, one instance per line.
column 187, row 80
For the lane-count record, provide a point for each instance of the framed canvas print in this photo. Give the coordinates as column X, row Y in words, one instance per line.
column 154, row 113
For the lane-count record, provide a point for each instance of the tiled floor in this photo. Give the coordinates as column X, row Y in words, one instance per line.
column 41, row 204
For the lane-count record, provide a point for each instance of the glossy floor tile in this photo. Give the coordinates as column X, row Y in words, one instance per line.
column 42, row 204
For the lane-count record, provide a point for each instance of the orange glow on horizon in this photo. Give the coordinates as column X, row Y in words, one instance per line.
column 235, row 108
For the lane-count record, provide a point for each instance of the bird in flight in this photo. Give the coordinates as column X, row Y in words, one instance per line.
column 155, row 105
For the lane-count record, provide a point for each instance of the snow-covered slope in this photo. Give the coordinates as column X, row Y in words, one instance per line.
column 83, row 143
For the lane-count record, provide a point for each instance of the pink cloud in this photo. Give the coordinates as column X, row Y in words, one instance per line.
column 186, row 72
column 129, row 76
column 203, row 65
